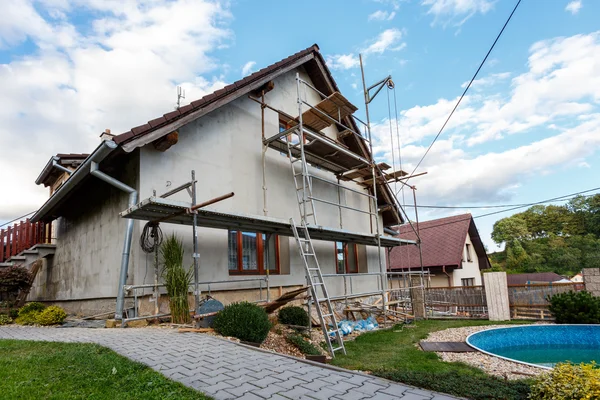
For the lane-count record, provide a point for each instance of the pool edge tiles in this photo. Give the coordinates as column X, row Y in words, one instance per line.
column 492, row 341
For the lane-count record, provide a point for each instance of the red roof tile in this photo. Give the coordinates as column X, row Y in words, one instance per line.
column 442, row 243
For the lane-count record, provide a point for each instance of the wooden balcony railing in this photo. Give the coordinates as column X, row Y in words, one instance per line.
column 23, row 235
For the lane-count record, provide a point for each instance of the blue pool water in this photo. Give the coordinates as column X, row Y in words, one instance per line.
column 543, row 345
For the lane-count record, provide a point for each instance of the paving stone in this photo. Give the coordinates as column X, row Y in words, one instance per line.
column 238, row 391
column 420, row 392
column 225, row 370
column 414, row 396
column 266, row 381
column 290, row 383
column 395, row 390
column 370, row 388
column 268, row 391
column 323, row 394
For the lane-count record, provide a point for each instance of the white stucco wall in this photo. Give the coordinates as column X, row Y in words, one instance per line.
column 470, row 269
column 225, row 149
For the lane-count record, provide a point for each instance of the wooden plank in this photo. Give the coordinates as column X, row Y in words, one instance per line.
column 197, row 330
column 496, row 293
column 449, row 347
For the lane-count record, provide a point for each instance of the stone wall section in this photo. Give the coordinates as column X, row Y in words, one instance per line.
column 591, row 279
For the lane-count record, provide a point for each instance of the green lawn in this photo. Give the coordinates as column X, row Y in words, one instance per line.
column 44, row 370
column 393, row 354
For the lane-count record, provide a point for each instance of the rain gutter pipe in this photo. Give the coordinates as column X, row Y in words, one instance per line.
column 133, row 197
column 56, row 165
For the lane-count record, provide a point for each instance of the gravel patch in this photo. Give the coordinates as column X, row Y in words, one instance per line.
column 491, row 365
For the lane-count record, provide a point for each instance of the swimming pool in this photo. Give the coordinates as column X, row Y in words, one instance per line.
column 540, row 345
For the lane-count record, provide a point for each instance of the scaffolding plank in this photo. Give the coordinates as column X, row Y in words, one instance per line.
column 335, row 106
column 155, row 208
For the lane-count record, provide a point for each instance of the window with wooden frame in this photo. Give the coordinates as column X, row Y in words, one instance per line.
column 346, row 255
column 468, row 281
column 252, row 253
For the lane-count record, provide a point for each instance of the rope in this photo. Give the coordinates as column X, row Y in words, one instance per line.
column 151, row 238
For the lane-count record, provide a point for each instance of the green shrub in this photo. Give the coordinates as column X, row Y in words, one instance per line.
column 52, row 315
column 13, row 313
column 293, row 315
column 5, row 319
column 245, row 321
column 303, row 345
column 575, row 308
column 28, row 308
column 568, row 381
column 473, row 387
column 28, row 314
column 177, row 279
column 28, row 319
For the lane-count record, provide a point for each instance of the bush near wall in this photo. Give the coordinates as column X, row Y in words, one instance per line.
column 245, row 321
column 575, row 308
column 568, row 381
column 293, row 315
column 37, row 313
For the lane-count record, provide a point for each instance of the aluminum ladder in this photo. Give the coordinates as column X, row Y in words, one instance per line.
column 318, row 289
column 302, row 181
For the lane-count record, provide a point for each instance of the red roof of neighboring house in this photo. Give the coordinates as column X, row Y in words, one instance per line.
column 442, row 244
column 522, row 279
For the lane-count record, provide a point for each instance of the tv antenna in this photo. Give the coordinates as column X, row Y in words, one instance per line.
column 180, row 95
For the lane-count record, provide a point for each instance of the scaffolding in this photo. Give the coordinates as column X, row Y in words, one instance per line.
column 305, row 145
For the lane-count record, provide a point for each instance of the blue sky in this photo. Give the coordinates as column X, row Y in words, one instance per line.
column 528, row 130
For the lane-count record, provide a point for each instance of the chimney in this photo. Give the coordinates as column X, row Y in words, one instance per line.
column 106, row 135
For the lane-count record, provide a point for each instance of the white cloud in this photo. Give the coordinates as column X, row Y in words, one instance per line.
column 117, row 72
column 574, row 6
column 343, row 61
column 381, row 15
column 456, row 12
column 248, row 68
column 558, row 97
column 387, row 40
column 489, row 80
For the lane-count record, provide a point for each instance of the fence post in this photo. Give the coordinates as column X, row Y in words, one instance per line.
column 417, row 294
column 496, row 293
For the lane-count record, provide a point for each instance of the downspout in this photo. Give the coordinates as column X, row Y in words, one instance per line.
column 448, row 275
column 133, row 197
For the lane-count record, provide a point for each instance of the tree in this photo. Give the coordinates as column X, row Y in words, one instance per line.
column 508, row 229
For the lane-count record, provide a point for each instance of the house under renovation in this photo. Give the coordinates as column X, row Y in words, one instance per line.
column 302, row 201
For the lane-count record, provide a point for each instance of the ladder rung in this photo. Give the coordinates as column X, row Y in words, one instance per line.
column 313, row 269
column 337, row 349
column 309, row 254
column 328, row 315
column 296, row 160
column 322, row 299
column 318, row 283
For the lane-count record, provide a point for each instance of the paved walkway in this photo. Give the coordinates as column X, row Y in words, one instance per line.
column 226, row 370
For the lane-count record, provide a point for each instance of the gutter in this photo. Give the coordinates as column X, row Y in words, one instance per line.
column 91, row 166
column 77, row 176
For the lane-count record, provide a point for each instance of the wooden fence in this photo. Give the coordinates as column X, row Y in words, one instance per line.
column 456, row 302
column 531, row 301
column 526, row 301
column 23, row 235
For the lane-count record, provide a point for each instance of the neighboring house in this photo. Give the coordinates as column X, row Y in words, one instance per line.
column 220, row 137
column 536, row 277
column 452, row 251
column 577, row 278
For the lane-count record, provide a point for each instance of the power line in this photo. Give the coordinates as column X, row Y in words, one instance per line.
column 466, row 89
column 560, row 198
column 16, row 219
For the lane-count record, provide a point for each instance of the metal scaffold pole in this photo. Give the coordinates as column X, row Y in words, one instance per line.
column 382, row 271
column 196, row 253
